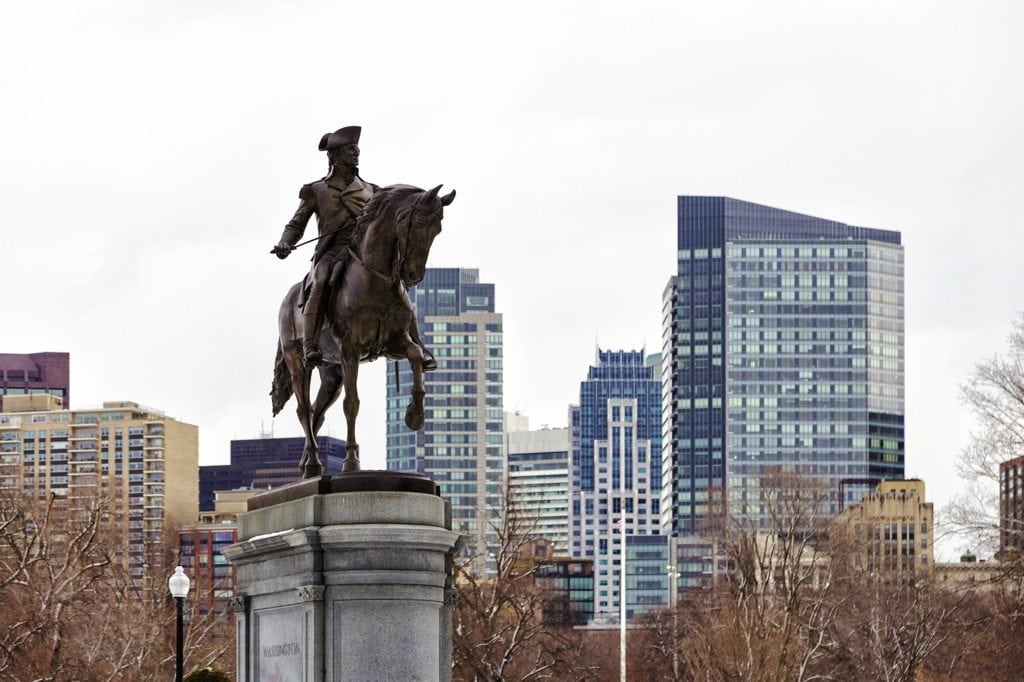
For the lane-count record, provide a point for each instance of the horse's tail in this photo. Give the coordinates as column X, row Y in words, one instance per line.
column 281, row 388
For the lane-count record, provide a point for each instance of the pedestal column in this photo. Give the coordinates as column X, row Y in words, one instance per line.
column 340, row 581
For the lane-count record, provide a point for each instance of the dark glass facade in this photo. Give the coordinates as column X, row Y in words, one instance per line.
column 264, row 463
column 36, row 373
column 784, row 350
column 569, row 591
column 647, row 558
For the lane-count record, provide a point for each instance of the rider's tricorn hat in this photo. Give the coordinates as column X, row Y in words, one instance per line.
column 340, row 138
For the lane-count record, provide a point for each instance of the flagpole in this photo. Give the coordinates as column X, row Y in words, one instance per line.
column 622, row 597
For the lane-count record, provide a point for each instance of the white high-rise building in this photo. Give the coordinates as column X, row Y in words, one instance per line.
column 538, row 475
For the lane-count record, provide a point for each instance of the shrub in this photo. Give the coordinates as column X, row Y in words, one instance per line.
column 207, row 675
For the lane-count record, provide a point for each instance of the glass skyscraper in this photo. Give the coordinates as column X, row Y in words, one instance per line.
column 615, row 465
column 783, row 338
column 460, row 446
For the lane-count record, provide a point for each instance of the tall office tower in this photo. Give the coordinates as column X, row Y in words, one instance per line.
column 460, row 445
column 146, row 462
column 264, row 463
column 538, row 477
column 35, row 373
column 1011, row 508
column 615, row 465
column 783, row 338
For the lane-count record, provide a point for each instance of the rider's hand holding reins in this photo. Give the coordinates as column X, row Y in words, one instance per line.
column 281, row 250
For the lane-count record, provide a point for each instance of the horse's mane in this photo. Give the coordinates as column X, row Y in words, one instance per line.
column 386, row 201
column 392, row 204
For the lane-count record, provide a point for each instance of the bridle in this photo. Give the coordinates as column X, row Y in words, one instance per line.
column 402, row 241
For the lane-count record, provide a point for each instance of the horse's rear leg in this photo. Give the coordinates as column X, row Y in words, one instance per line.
column 310, row 461
column 330, row 389
column 311, row 453
column 350, row 376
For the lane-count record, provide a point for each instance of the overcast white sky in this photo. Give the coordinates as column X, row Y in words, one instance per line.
column 150, row 154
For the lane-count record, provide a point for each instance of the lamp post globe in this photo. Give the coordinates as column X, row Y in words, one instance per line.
column 178, row 584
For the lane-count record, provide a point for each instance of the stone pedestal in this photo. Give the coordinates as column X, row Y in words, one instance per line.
column 345, row 578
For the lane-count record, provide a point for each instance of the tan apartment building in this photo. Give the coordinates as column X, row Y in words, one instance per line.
column 146, row 462
column 228, row 504
column 891, row 529
column 970, row 574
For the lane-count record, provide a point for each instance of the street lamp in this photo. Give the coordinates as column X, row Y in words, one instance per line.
column 673, row 601
column 178, row 584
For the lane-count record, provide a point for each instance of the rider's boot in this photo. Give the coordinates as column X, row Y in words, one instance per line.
column 429, row 363
column 312, row 321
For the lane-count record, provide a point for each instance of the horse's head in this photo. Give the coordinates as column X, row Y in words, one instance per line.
column 424, row 226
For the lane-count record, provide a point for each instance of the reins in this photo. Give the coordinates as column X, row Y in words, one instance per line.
column 399, row 261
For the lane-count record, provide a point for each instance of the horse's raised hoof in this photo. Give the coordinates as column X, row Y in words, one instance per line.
column 350, row 464
column 414, row 417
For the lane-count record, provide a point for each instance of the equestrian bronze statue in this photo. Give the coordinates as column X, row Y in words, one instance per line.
column 353, row 306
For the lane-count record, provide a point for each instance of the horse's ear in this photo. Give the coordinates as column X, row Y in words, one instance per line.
column 431, row 195
column 448, row 198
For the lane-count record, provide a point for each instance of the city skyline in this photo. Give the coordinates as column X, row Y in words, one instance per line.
column 185, row 121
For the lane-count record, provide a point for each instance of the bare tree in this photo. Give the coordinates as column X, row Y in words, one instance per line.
column 73, row 609
column 994, row 392
column 499, row 631
column 783, row 583
column 51, row 555
column 774, row 617
column 656, row 651
column 899, row 622
column 988, row 642
column 797, row 604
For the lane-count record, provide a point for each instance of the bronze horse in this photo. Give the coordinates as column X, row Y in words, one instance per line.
column 369, row 315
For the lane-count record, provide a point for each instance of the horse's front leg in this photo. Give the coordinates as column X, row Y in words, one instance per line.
column 414, row 413
column 330, row 389
column 349, row 377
